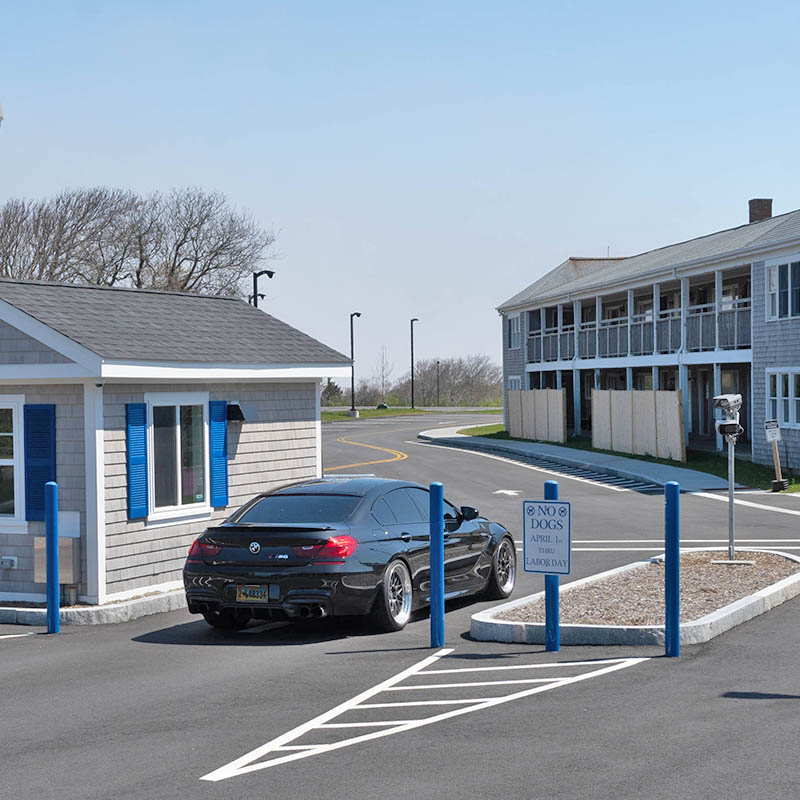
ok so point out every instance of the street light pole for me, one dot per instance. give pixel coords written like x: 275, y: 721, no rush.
x: 256, y: 275
x: 352, y: 367
x: 437, y: 384
x: 412, y: 360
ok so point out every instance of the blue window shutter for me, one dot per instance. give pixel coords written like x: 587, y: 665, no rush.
x: 39, y: 427
x: 136, y: 438
x: 218, y: 451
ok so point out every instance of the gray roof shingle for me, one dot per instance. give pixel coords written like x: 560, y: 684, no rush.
x: 560, y: 280
x: 147, y: 325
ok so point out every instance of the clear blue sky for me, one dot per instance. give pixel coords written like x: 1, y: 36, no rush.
x: 417, y: 159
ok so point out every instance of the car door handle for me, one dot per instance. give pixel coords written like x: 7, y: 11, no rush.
x: 406, y: 537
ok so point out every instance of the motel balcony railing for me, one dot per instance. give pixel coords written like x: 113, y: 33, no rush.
x: 668, y: 330
x: 587, y: 340
x: 734, y: 326
x: 706, y: 329
x: 641, y: 335
x: 612, y: 338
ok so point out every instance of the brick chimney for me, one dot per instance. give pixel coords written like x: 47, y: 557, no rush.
x: 760, y: 208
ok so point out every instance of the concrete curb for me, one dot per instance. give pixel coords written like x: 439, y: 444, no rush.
x: 99, y: 615
x: 460, y: 440
x: 485, y: 628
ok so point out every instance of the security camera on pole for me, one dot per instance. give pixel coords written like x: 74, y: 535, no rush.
x: 729, y: 427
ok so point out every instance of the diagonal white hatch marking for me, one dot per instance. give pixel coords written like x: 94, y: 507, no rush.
x: 283, y: 750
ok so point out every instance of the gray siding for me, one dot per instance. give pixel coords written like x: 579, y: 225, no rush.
x: 513, y: 360
x: 70, y: 475
x: 276, y: 444
x: 775, y: 345
x: 17, y: 347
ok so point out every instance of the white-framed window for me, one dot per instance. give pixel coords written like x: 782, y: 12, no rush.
x: 177, y: 454
x: 514, y: 332
x: 783, y: 289
x: 12, y: 465
x: 783, y: 396
x: 514, y: 382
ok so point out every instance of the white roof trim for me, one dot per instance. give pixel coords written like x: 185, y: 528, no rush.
x: 166, y: 370
x: 50, y: 337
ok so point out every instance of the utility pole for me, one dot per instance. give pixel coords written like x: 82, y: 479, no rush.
x: 437, y: 384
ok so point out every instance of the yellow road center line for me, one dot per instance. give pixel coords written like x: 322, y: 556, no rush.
x: 397, y: 455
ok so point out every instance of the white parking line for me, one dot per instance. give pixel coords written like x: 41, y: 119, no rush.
x: 17, y: 635
x: 284, y: 752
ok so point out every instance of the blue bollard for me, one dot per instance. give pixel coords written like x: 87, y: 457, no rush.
x: 51, y: 531
x: 672, y: 570
x: 552, y: 634
x: 437, y: 564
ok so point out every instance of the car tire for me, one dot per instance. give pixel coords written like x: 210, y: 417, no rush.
x: 392, y: 609
x: 504, y: 570
x: 227, y: 620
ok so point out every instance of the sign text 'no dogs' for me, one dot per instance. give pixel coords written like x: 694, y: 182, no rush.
x: 547, y: 535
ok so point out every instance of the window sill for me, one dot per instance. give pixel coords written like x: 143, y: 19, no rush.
x: 160, y: 519
x: 13, y: 527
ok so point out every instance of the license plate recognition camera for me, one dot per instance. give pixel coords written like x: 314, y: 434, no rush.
x: 729, y: 405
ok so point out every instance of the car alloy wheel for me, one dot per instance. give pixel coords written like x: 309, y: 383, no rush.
x: 393, y: 604
x: 504, y: 570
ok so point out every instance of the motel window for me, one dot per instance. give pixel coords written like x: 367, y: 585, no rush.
x: 783, y: 290
x: 514, y: 339
x: 515, y: 382
x: 783, y: 397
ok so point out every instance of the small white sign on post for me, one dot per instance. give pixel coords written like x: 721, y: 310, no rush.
x: 772, y: 429
x: 546, y: 536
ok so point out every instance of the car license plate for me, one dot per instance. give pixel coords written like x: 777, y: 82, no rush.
x: 252, y: 594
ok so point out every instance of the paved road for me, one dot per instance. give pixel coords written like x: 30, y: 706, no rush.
x: 148, y: 708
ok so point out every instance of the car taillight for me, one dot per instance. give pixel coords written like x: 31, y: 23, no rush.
x: 334, y: 551
x: 199, y: 551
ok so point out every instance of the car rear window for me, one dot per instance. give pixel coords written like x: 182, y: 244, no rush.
x: 299, y: 508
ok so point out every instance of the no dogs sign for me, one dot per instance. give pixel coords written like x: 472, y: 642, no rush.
x: 546, y: 536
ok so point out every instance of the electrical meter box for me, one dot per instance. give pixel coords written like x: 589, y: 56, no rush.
x: 69, y: 560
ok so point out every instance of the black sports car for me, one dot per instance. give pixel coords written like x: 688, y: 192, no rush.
x: 338, y: 547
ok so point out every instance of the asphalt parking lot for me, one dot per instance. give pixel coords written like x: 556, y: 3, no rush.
x: 165, y: 707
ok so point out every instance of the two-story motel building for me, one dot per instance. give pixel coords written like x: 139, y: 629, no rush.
x: 716, y: 314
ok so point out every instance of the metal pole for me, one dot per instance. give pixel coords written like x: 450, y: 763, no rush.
x: 51, y: 532
x: 672, y: 570
x: 552, y: 637
x: 730, y: 498
x: 437, y: 384
x: 255, y: 290
x: 352, y: 367
x: 412, y: 360
x: 437, y: 564
x: 352, y: 370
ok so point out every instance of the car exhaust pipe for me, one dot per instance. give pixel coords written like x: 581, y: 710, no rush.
x: 318, y: 612
x: 304, y: 612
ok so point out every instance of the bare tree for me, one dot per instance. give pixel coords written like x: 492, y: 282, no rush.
x: 383, y: 372
x: 188, y: 240
x: 473, y: 380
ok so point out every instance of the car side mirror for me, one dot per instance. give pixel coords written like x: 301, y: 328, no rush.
x: 468, y: 513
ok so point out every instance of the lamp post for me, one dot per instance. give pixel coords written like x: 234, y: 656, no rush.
x: 412, y: 360
x: 352, y: 368
x: 437, y: 384
x: 256, y: 275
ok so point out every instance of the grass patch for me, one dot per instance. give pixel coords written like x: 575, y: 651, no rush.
x: 369, y: 413
x: 747, y: 473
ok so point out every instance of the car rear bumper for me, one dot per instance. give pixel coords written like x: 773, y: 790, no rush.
x: 326, y: 593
